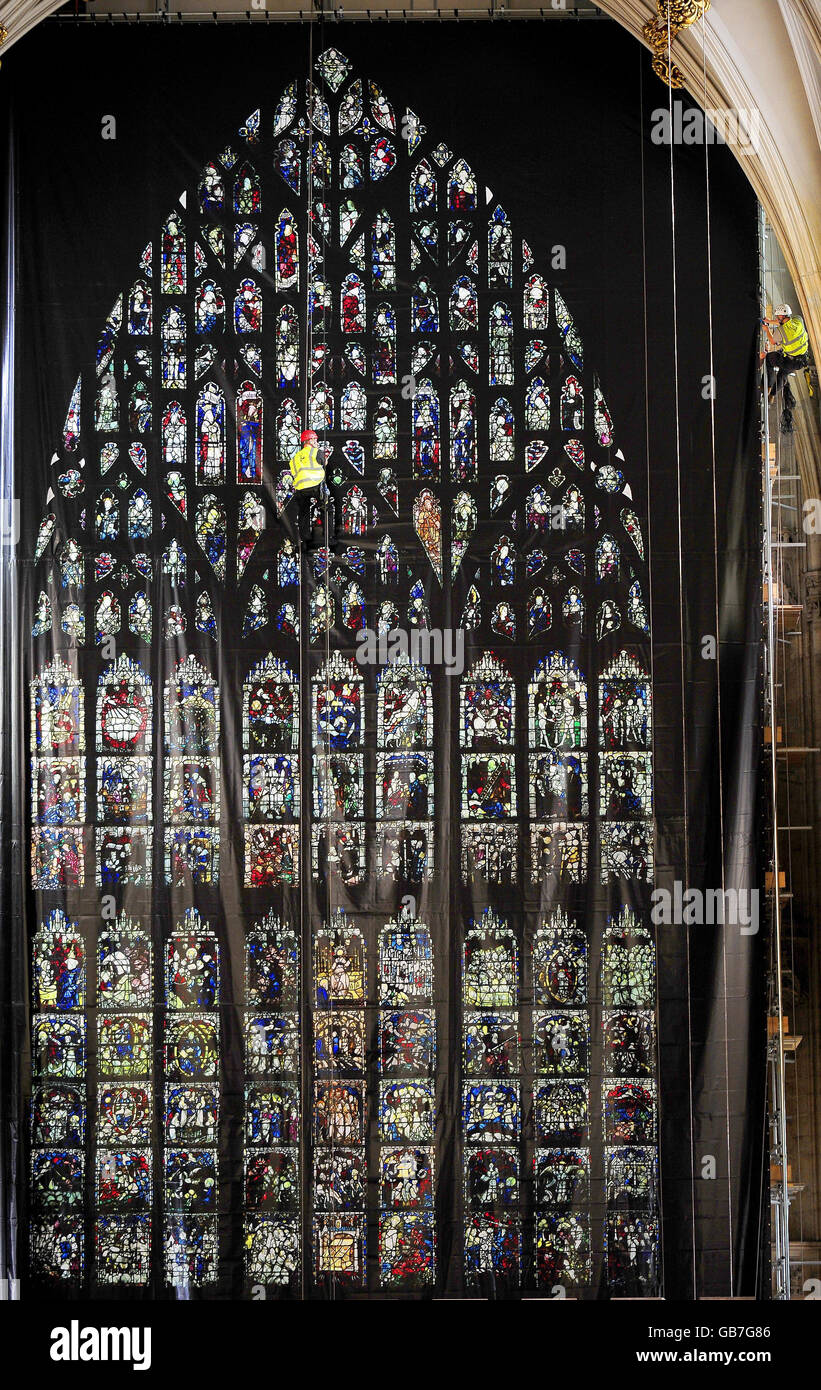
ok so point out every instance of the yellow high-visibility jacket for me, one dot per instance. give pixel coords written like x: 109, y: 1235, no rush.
x: 306, y: 468
x: 794, y: 340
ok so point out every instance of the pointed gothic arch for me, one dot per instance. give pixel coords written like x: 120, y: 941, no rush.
x: 495, y: 465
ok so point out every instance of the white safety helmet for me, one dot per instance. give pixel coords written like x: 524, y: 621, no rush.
x: 783, y: 311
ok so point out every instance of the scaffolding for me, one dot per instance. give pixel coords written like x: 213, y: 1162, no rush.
x: 786, y: 751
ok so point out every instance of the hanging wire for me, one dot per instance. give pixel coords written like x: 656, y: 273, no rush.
x: 330, y: 800
x: 305, y: 737
x: 719, y: 738
x: 683, y: 670
x: 653, y: 721
x: 780, y: 595
x: 794, y: 472
x: 780, y: 524
x: 328, y: 808
x: 778, y: 1075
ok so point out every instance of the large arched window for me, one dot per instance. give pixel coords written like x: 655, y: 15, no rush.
x: 478, y: 480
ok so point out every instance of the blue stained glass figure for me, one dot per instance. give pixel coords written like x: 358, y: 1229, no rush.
x: 248, y: 308
x: 105, y: 346
x: 462, y: 433
x: 139, y: 515
x: 139, y: 310
x: 139, y: 408
x: 288, y: 161
x: 351, y: 167
x: 211, y: 189
x: 425, y: 431
x: 249, y: 434
x: 210, y: 434
x: 209, y: 308
x: 424, y: 311
x: 423, y: 188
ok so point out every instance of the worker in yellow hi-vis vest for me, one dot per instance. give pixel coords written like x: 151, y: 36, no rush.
x: 788, y: 355
x: 308, y: 473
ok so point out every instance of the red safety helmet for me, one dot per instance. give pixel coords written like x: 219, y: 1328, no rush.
x: 308, y: 437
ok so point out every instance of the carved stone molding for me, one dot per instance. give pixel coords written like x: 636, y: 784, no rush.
x: 812, y: 595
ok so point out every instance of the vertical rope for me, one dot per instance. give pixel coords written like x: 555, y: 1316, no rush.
x: 731, y: 1252
x: 306, y: 1083
x: 649, y: 573
x: 683, y: 667
x: 778, y: 1076
x: 331, y: 815
x: 788, y: 741
x: 779, y: 590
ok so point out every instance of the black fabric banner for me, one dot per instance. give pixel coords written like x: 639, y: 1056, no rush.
x: 391, y: 921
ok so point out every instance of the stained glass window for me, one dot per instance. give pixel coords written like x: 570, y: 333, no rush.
x: 470, y: 481
x: 192, y: 993
x: 249, y: 434
x: 338, y: 773
x: 173, y: 349
x: 425, y: 409
x: 125, y: 1103
x: 626, y: 773
x: 272, y: 1067
x: 270, y: 775
x: 173, y: 258
x: 124, y: 775
x: 561, y: 1049
x: 210, y: 435
x: 58, y: 1105
x: 491, y: 1101
x: 192, y: 775
x: 404, y: 772
x: 407, y: 1105
x: 58, y: 802
x: 557, y: 730
x: 487, y: 720
x: 340, y: 1168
